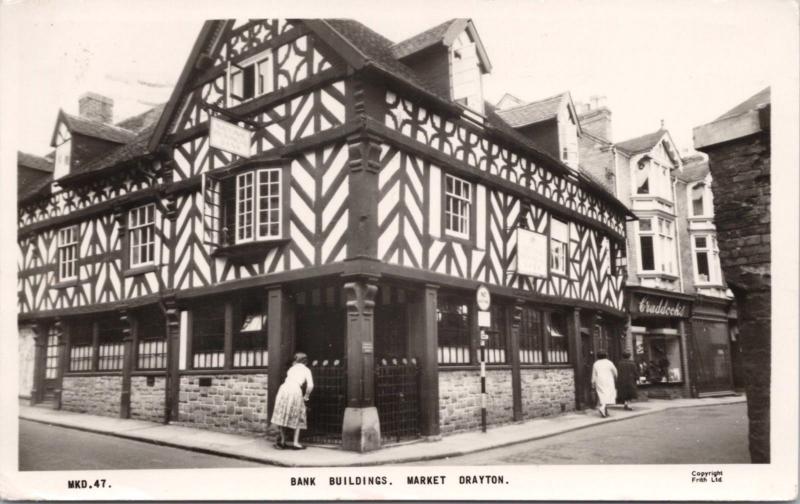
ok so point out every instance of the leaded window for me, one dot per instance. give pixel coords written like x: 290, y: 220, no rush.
x: 458, y: 205
x: 67, y: 253
x: 142, y: 233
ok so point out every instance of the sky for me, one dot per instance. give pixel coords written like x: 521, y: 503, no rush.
x: 678, y: 61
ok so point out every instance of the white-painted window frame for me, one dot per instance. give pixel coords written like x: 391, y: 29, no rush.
x: 254, y: 196
x: 559, y: 246
x: 711, y: 250
x: 457, y: 206
x: 68, y: 253
x: 142, y: 235
x: 260, y: 86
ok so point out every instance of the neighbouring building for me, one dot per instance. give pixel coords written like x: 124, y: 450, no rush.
x: 679, y: 330
x: 312, y: 186
x: 738, y: 147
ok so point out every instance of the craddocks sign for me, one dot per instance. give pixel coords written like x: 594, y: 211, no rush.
x: 657, y: 306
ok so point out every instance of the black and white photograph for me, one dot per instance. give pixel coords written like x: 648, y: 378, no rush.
x: 477, y: 251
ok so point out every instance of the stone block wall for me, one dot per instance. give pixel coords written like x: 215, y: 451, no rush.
x: 235, y: 403
x: 96, y: 395
x: 740, y: 169
x: 460, y: 399
x: 147, y: 402
x: 547, y: 392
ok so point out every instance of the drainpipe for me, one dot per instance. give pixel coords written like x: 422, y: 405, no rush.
x: 678, y: 263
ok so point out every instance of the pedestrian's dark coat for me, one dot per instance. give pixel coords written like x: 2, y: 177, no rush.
x: 627, y: 375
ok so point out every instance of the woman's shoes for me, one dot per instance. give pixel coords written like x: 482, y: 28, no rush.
x: 297, y: 447
x: 628, y: 408
x: 279, y: 446
x: 602, y: 412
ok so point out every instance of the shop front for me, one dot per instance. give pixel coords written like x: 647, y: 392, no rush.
x: 659, y: 331
x: 711, y: 347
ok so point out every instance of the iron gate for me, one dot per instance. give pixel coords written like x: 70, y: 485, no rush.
x: 397, y: 398
x: 327, y: 402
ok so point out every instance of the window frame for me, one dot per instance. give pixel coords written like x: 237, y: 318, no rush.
x: 711, y: 250
x: 139, y: 228
x: 707, y: 199
x: 468, y: 201
x: 564, y: 247
x: 64, y: 248
x: 464, y: 348
x: 652, y: 235
x: 254, y: 62
x: 255, y: 208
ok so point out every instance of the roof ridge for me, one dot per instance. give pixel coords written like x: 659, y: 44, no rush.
x: 535, y: 102
x: 101, y: 123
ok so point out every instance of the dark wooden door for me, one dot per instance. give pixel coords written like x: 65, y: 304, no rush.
x: 587, y: 361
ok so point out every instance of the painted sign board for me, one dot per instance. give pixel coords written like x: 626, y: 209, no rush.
x: 229, y: 137
x: 484, y: 318
x: 531, y: 253
x: 646, y: 305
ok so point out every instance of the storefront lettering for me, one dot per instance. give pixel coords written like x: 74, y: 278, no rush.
x: 663, y: 308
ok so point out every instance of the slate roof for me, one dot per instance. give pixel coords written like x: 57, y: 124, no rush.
x: 533, y: 112
x: 97, y: 129
x: 757, y: 100
x: 139, y: 122
x: 36, y: 162
x: 420, y: 41
x: 127, y: 152
x: 378, y: 49
x: 694, y: 168
x: 641, y: 143
x: 33, y: 172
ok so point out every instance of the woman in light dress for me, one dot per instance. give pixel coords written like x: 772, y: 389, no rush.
x: 290, y: 407
x: 604, y: 375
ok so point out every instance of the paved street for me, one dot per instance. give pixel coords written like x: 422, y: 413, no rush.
x: 51, y: 448
x: 712, y: 434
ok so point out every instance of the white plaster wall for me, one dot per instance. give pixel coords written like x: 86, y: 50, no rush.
x: 27, y: 350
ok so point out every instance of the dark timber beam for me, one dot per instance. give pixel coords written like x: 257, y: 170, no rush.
x: 576, y: 355
x: 361, y: 429
x: 128, y: 338
x: 425, y: 341
x: 280, y: 341
x: 515, y: 316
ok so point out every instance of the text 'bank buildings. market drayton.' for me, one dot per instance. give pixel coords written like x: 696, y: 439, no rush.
x: 312, y: 186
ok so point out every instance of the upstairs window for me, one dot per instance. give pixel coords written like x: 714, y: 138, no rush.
x: 706, y: 260
x: 559, y: 239
x: 657, y: 245
x: 250, y: 78
x: 642, y: 177
x: 700, y: 200
x: 646, y: 250
x: 667, y: 246
x: 67, y: 253
x: 142, y: 233
x: 258, y: 205
x: 458, y: 205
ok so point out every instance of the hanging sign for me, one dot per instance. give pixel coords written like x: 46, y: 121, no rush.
x: 483, y: 298
x: 531, y: 254
x: 229, y: 137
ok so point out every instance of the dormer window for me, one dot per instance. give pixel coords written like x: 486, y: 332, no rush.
x: 700, y: 200
x: 250, y: 78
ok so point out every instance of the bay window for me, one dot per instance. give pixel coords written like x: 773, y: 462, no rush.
x: 667, y: 246
x: 258, y: 205
x: 652, y: 178
x: 559, y: 238
x: 656, y: 241
x: 458, y: 205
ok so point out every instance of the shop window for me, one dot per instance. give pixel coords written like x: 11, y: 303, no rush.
x: 458, y: 205
x: 497, y: 343
x: 453, y: 316
x: 81, y: 347
x: 251, y: 78
x: 559, y: 239
x: 52, y: 354
x: 110, y: 348
x: 530, y: 336
x: 67, y: 253
x: 658, y: 358
x: 151, y: 352
x: 557, y: 344
x: 142, y: 235
x: 391, y: 328
x: 250, y: 339
x: 208, y: 336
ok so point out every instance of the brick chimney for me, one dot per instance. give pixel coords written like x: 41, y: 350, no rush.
x: 595, y: 117
x: 96, y: 107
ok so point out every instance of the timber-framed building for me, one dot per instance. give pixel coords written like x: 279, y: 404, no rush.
x: 168, y: 269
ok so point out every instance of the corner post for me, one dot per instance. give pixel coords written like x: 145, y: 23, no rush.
x: 173, y: 321
x: 361, y: 428
x: 62, y: 360
x: 40, y: 349
x: 515, y: 316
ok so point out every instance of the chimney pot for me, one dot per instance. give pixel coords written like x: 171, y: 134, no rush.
x: 96, y: 107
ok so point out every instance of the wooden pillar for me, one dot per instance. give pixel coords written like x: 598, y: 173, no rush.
x: 425, y: 343
x: 172, y: 317
x: 687, y: 378
x: 576, y: 355
x: 361, y: 428
x: 229, y: 329
x: 515, y: 318
x: 62, y: 360
x: 128, y: 349
x: 95, y: 345
x: 39, y: 362
x: 280, y: 341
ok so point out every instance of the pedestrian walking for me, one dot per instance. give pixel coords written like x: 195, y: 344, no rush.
x: 290, y: 407
x: 627, y: 376
x: 604, y: 375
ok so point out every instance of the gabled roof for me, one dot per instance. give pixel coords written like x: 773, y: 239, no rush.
x: 754, y: 102
x: 33, y: 172
x: 139, y: 122
x: 508, y: 101
x: 533, y: 112
x: 94, y: 129
x: 642, y: 143
x: 443, y: 34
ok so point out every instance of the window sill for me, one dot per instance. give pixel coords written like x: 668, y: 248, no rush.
x: 666, y: 276
x: 76, y: 374
x: 701, y: 285
x: 140, y: 270
x: 251, y: 250
x: 659, y: 384
x: 66, y: 283
x: 464, y: 240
